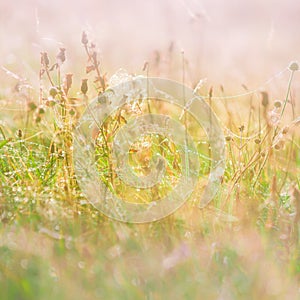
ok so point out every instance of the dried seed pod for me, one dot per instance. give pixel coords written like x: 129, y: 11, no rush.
x: 68, y: 82
x: 257, y: 141
x: 294, y: 66
x: 279, y: 145
x: 84, y: 86
x: 265, y: 99
x: 61, y: 56
x: 45, y: 59
x: 285, y: 130
x: 277, y: 104
x: 84, y: 38
x: 241, y: 128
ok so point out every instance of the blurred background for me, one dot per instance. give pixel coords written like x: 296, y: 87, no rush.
x: 228, y: 42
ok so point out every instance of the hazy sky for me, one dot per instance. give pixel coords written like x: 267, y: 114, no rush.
x: 222, y: 40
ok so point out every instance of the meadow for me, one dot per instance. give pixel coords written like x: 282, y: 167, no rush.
x: 54, y: 244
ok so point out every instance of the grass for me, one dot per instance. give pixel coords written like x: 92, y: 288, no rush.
x: 55, y: 244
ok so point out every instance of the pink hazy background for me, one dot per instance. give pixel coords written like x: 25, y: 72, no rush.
x: 229, y: 42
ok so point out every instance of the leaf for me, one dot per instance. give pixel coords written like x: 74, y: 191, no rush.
x: 3, y: 143
x: 89, y: 69
x: 54, y: 66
